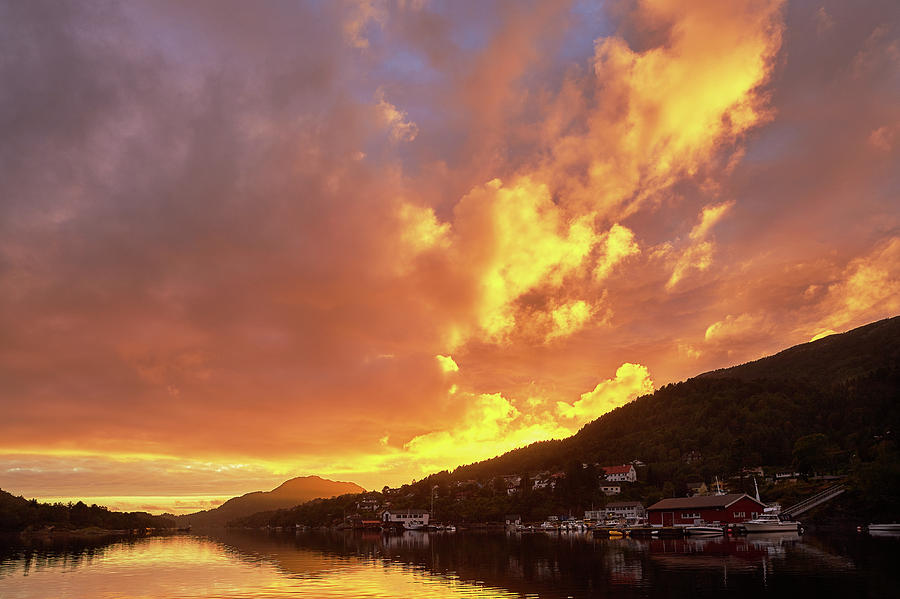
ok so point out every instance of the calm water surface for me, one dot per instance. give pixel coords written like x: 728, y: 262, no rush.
x: 423, y: 565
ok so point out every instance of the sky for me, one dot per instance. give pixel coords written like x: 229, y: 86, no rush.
x: 241, y: 242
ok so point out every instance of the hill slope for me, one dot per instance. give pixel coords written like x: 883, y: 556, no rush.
x: 290, y: 493
x: 845, y: 386
x: 831, y: 359
x: 18, y: 514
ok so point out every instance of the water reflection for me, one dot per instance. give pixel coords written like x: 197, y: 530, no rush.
x: 415, y: 564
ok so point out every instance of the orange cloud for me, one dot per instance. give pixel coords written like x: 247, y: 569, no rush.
x: 736, y: 330
x: 664, y: 112
x: 516, y: 240
x: 616, y: 245
x: 447, y: 363
x: 631, y: 381
x: 868, y: 286
x: 396, y: 120
x: 697, y: 255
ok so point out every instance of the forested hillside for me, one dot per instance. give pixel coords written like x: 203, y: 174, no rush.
x: 18, y: 514
x: 845, y: 387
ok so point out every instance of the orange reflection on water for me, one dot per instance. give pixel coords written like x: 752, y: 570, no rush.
x: 195, y: 567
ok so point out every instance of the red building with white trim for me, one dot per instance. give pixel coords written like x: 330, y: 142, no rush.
x: 735, y: 507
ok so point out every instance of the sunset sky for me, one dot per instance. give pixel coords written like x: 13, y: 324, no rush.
x: 369, y: 240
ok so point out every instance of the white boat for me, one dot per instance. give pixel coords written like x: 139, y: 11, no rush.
x: 885, y: 528
x: 770, y: 521
x: 706, y: 530
x: 414, y: 525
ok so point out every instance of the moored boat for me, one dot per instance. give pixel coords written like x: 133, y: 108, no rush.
x: 770, y: 521
x: 886, y: 530
x: 704, y: 530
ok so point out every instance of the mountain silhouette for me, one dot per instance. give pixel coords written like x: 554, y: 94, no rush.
x: 290, y: 493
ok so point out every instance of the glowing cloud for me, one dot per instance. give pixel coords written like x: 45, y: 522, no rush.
x: 697, y: 256
x: 569, y: 318
x: 421, y: 229
x: 737, y: 329
x: 491, y: 425
x: 663, y: 113
x: 616, y: 245
x: 401, y: 129
x: 822, y: 335
x: 447, y: 363
x: 518, y: 241
x: 869, y: 285
x: 631, y: 381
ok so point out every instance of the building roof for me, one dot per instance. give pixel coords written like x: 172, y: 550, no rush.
x: 624, y: 504
x: 618, y: 469
x: 700, y: 502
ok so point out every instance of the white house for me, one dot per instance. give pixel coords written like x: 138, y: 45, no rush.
x: 611, y: 489
x: 407, y: 518
x: 620, y: 474
x: 630, y: 511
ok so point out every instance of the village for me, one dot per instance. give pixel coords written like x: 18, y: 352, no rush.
x: 621, y: 504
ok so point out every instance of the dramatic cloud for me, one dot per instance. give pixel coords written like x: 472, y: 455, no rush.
x: 632, y: 380
x: 371, y: 239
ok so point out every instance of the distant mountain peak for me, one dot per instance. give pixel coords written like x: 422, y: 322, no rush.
x: 288, y: 494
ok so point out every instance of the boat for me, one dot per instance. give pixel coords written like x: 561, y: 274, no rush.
x: 704, y: 530
x: 884, y: 528
x: 414, y: 525
x: 770, y: 521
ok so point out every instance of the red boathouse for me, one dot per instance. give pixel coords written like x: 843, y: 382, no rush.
x: 735, y: 507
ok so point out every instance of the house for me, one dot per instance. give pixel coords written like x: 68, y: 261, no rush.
x: 542, y: 480
x: 629, y: 512
x: 620, y: 474
x: 595, y: 515
x: 368, y: 505
x: 407, y: 518
x: 680, y: 511
x: 697, y: 488
x: 611, y: 489
x: 542, y: 483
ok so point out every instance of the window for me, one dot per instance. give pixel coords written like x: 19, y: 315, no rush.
x: 689, y: 515
x: 740, y: 514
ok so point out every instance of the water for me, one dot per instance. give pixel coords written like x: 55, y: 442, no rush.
x: 448, y: 565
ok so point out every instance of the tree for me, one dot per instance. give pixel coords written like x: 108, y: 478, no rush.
x: 810, y: 453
